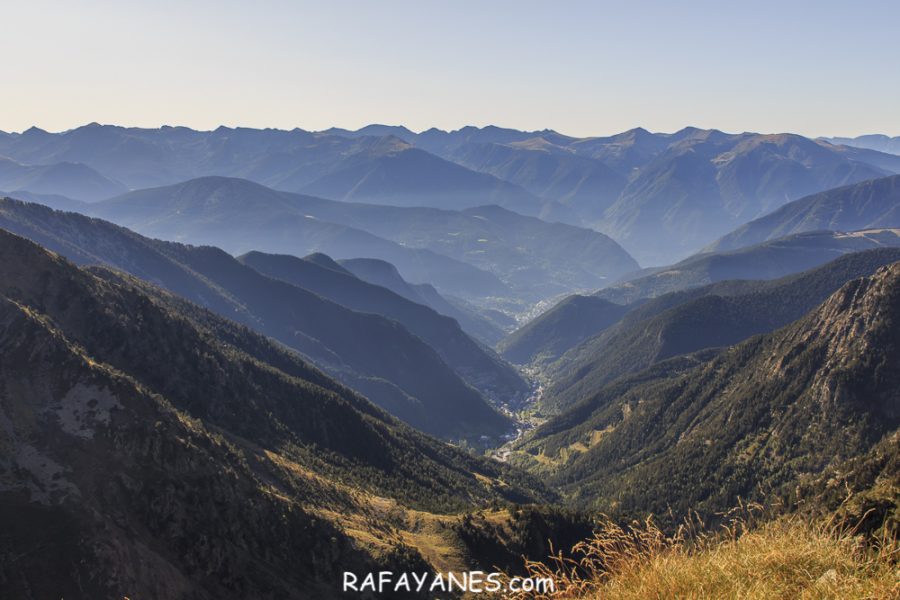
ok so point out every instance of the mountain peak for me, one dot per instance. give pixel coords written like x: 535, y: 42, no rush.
x: 323, y: 260
x: 378, y: 128
x: 34, y: 130
x: 373, y: 263
x: 636, y: 131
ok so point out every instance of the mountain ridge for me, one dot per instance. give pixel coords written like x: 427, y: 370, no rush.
x: 661, y: 195
x: 478, y: 366
x: 476, y: 253
x: 145, y: 436
x: 717, y: 315
x: 868, y: 205
x: 320, y: 329
x: 751, y: 422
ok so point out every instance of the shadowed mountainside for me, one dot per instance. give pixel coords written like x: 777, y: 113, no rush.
x: 479, y: 366
x: 487, y: 326
x: 372, y: 354
x: 548, y: 336
x: 153, y: 448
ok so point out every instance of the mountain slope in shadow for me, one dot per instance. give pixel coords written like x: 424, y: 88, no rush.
x: 374, y: 355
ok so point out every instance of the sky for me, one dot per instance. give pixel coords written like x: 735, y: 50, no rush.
x: 580, y: 67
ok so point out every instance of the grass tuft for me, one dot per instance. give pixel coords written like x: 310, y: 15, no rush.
x: 790, y: 557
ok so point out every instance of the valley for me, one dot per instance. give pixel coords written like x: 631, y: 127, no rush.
x: 439, y: 351
x: 449, y: 300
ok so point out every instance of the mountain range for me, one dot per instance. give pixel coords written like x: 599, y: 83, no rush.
x: 381, y: 169
x: 707, y: 182
x: 766, y: 260
x: 485, y: 325
x: 661, y: 196
x: 547, y: 337
x: 72, y: 180
x: 371, y: 352
x: 879, y: 142
x: 401, y: 175
x: 322, y: 276
x: 240, y: 216
x: 476, y: 254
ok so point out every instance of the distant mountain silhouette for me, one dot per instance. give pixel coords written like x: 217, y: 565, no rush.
x: 444, y: 143
x: 878, y: 142
x: 72, y: 180
x: 534, y: 258
x: 767, y: 260
x: 241, y: 216
x: 142, y: 158
x: 404, y: 176
x: 479, y: 252
x: 585, y: 186
x: 369, y: 166
x: 709, y: 182
x: 384, y: 274
x: 397, y: 131
x: 662, y: 195
x: 868, y: 205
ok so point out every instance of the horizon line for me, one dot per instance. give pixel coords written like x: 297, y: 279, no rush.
x: 421, y: 131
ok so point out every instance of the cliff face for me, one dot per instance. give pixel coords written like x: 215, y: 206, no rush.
x: 858, y: 333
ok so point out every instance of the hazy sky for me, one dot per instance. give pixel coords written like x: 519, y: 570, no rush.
x: 583, y: 68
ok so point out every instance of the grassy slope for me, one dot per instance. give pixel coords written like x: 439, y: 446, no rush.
x: 786, y: 558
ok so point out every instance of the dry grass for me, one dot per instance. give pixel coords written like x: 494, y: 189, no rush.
x: 783, y: 558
